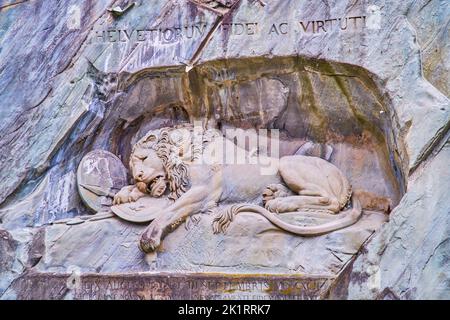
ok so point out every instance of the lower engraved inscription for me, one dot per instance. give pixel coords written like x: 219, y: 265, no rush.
x: 171, y: 286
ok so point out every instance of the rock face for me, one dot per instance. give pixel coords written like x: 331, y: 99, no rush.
x: 17, y: 252
x: 418, y: 231
x: 367, y: 80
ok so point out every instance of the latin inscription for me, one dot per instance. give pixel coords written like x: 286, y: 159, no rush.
x: 164, y: 287
x: 172, y: 34
x: 154, y: 35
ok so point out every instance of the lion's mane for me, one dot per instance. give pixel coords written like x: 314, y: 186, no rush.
x: 168, y: 150
x: 176, y: 169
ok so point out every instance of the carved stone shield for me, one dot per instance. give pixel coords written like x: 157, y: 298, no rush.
x: 100, y: 176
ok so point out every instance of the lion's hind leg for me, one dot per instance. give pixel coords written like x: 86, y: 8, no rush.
x: 278, y: 198
x: 319, y: 200
x: 302, y: 203
x: 306, y: 179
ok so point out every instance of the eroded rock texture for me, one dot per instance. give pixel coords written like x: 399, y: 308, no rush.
x: 370, y: 81
x: 418, y: 231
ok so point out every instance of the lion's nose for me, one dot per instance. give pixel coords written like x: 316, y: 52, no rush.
x: 140, y: 175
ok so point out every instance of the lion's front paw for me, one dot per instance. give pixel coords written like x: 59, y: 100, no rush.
x: 123, y: 196
x: 127, y: 194
x: 273, y: 191
x: 279, y: 205
x: 151, y: 238
x: 149, y: 245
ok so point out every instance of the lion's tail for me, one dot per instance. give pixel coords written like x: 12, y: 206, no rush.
x: 347, y: 218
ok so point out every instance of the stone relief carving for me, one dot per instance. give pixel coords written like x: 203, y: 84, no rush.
x: 172, y: 162
x: 368, y: 79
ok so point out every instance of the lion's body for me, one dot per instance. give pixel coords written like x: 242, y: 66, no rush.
x: 295, y: 183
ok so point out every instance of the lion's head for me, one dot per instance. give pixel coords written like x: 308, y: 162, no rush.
x: 155, y: 162
x: 158, y: 158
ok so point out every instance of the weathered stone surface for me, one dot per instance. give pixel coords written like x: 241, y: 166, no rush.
x: 409, y: 256
x: 387, y: 47
x: 375, y: 92
x: 41, y: 46
x: 433, y: 35
x: 16, y: 254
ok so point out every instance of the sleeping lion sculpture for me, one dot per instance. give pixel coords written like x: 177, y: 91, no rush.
x: 167, y: 162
